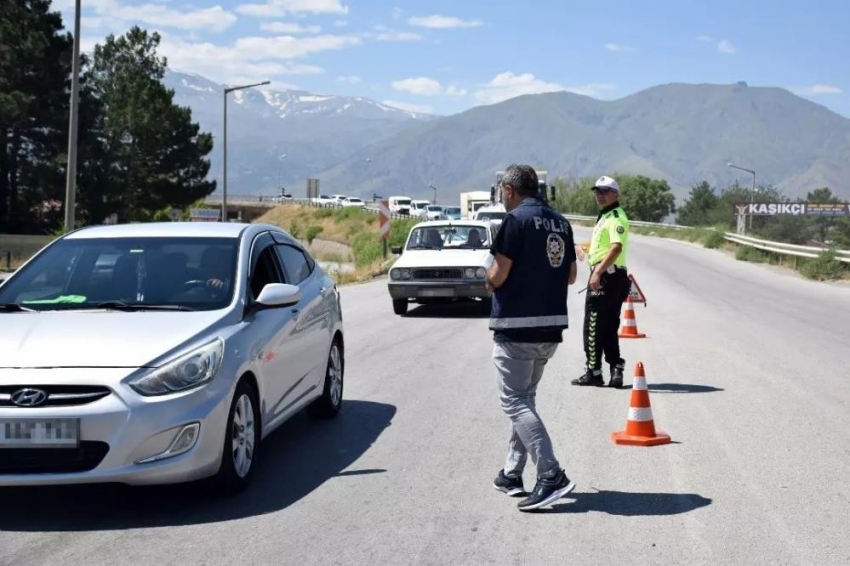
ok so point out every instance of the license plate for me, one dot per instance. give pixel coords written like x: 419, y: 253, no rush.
x: 40, y: 433
x: 437, y: 293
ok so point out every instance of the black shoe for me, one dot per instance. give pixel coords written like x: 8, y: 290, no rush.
x: 511, y: 486
x: 591, y: 377
x: 546, y: 491
x: 616, y: 377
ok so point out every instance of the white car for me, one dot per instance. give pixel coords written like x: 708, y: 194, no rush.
x: 162, y: 353
x: 353, y: 201
x: 324, y: 200
x: 435, y: 212
x: 417, y: 208
x: 442, y: 260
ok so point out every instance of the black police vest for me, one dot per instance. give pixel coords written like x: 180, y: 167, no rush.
x: 534, y: 296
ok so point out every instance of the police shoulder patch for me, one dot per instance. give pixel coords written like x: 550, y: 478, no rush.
x: 620, y: 229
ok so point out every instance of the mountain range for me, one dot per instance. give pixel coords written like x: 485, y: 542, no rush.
x: 684, y: 133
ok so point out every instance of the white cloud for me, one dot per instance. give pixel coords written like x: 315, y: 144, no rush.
x: 618, y: 47
x: 705, y: 38
x: 278, y: 8
x: 289, y: 27
x: 409, y: 107
x: 726, y: 46
x: 111, y: 14
x: 442, y: 22
x: 383, y: 34
x: 288, y: 47
x: 349, y: 79
x: 340, y: 24
x: 819, y: 89
x: 508, y: 85
x: 424, y: 86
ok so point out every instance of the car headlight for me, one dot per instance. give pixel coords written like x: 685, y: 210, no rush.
x: 405, y: 274
x: 395, y: 274
x: 481, y: 273
x: 186, y: 372
x: 469, y: 272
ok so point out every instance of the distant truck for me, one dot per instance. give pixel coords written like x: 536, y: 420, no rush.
x: 471, y: 201
x: 542, y: 192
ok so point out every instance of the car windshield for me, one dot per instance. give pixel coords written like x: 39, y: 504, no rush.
x: 354, y: 200
x: 434, y: 208
x: 452, y: 210
x: 180, y: 273
x: 456, y: 236
x: 496, y: 215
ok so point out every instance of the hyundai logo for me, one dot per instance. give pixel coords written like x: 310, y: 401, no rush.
x: 29, y: 397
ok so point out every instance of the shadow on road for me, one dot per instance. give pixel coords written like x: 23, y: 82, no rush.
x: 297, y: 459
x: 450, y: 310
x: 631, y: 504
x: 679, y: 388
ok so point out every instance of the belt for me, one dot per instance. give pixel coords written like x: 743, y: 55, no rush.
x: 611, y: 269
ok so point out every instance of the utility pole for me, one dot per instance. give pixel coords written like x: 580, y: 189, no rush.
x: 71, y: 168
x: 227, y: 91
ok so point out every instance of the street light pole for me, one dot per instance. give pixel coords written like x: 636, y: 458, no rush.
x: 71, y: 168
x: 227, y: 91
x: 752, y: 193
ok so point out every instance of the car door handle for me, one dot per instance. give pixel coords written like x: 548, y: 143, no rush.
x: 295, y: 311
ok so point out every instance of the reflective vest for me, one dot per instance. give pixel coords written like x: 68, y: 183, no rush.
x: 534, y: 295
x: 612, y: 227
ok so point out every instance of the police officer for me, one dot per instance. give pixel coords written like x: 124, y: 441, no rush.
x: 608, y: 287
x: 533, y: 264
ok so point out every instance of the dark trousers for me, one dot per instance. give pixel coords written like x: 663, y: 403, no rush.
x: 602, y: 320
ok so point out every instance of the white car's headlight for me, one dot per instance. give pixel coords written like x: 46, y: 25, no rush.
x: 481, y: 273
x: 405, y: 274
x: 470, y: 272
x: 189, y: 370
x: 395, y: 273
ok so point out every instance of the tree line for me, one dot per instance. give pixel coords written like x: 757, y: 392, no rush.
x: 652, y: 200
x: 138, y: 152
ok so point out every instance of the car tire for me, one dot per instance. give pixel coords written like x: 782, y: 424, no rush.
x: 400, y: 306
x: 242, y: 434
x: 330, y: 403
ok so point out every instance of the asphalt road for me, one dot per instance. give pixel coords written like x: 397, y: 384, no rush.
x: 748, y: 373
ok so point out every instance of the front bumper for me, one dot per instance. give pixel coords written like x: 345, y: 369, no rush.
x: 117, y: 431
x: 448, y: 289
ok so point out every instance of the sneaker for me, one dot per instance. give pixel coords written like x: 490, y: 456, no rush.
x: 616, y: 377
x: 590, y: 377
x: 511, y: 486
x: 546, y: 491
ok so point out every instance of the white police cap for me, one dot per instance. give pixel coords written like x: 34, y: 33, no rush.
x: 605, y: 182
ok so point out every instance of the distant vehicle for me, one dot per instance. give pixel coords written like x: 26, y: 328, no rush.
x: 353, y: 201
x: 337, y: 199
x: 324, y: 200
x: 417, y: 207
x: 400, y: 204
x: 452, y: 212
x: 471, y: 201
x: 159, y: 353
x: 491, y: 213
x: 434, y: 212
x: 441, y: 261
x: 282, y: 197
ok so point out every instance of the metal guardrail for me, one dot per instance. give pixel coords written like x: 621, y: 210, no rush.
x: 785, y: 249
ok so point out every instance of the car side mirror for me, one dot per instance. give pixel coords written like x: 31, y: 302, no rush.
x: 396, y: 250
x: 278, y: 295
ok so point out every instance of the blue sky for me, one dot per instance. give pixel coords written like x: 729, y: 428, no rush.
x: 447, y: 56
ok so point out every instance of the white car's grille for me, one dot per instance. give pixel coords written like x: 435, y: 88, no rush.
x: 26, y: 396
x: 438, y: 273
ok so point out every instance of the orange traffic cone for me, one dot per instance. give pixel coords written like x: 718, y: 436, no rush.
x: 629, y: 328
x: 640, y: 428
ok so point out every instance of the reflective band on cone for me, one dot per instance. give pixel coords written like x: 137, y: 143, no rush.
x: 640, y: 426
x: 629, y: 328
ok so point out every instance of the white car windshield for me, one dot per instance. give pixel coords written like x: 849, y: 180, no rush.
x: 496, y: 215
x: 354, y: 200
x: 172, y: 273
x: 434, y: 208
x: 457, y: 236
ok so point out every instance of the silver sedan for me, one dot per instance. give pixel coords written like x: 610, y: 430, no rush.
x: 162, y: 353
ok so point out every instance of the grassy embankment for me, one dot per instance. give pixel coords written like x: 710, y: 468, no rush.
x: 823, y: 268
x: 347, y: 226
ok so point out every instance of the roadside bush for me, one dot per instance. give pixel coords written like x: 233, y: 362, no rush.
x: 746, y: 253
x: 323, y: 213
x: 824, y: 268
x: 367, y: 248
x: 713, y: 240
x: 312, y: 232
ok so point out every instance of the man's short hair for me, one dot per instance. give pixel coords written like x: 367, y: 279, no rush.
x: 523, y: 178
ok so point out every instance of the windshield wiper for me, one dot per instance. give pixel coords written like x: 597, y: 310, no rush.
x: 15, y: 307
x: 122, y: 306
